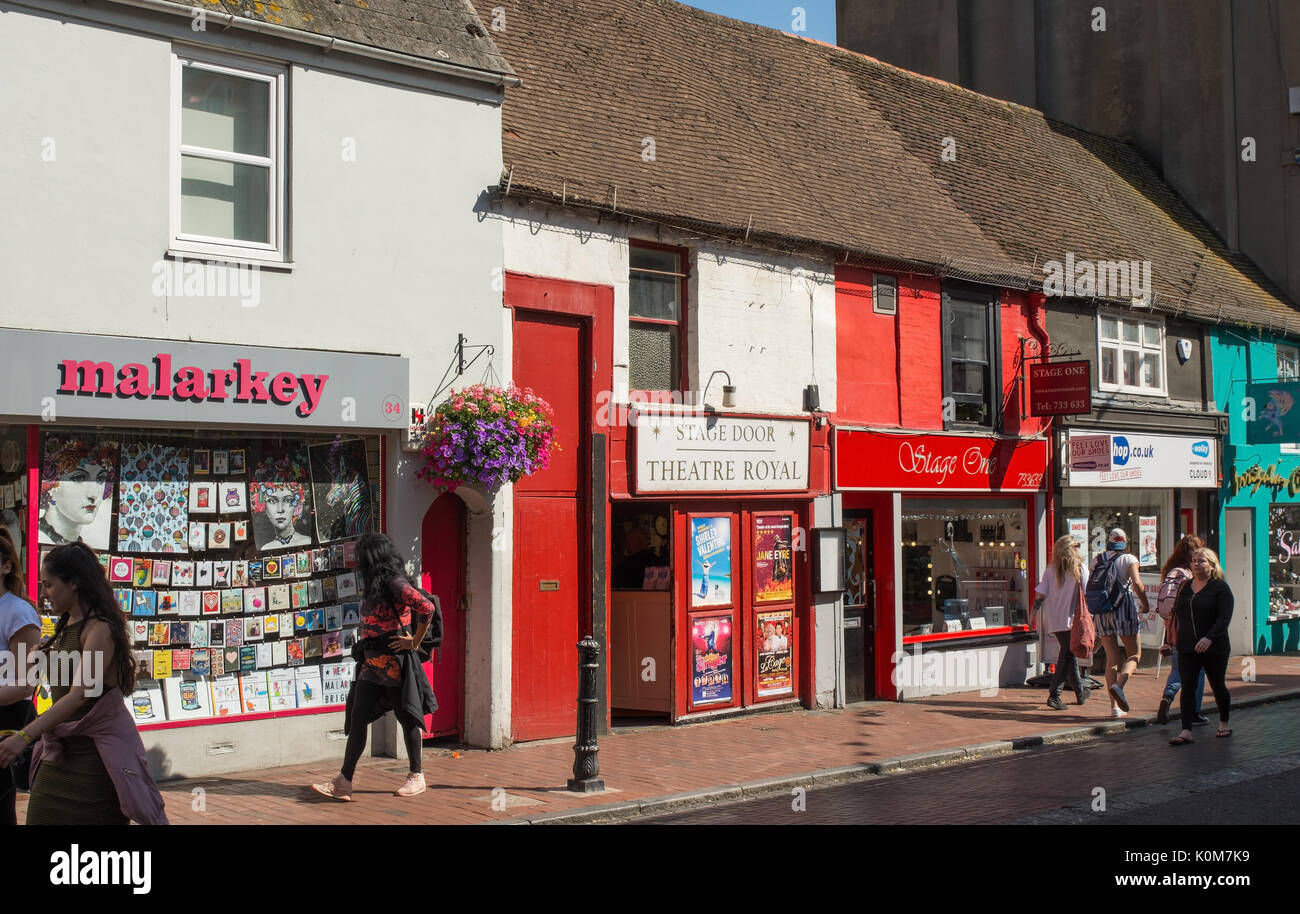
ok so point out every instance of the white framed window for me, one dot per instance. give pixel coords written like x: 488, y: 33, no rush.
x: 1131, y: 353
x: 227, y: 193
x: 884, y: 294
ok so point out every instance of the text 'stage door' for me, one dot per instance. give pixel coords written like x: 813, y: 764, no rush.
x: 551, y: 518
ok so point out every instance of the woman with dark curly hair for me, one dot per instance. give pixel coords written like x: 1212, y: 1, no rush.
x: 89, y: 766
x: 389, y: 676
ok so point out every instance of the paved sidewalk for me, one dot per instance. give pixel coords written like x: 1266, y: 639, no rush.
x: 663, y: 768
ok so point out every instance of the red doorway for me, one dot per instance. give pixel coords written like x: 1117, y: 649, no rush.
x: 551, y: 522
x: 442, y: 558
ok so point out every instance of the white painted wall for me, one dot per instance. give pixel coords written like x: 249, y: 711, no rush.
x: 388, y: 252
x: 767, y: 319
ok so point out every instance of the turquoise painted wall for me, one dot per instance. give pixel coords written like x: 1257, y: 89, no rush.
x: 1239, y: 357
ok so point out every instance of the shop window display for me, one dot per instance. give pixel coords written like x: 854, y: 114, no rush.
x: 13, y: 485
x: 641, y: 549
x: 1283, y: 568
x: 233, y: 558
x: 1091, y: 514
x: 965, y: 565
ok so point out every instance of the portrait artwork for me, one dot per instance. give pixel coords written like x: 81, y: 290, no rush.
x: 77, y: 481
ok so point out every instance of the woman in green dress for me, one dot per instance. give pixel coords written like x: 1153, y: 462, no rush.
x: 75, y: 788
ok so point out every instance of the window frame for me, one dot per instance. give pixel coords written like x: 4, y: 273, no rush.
x: 992, y: 329
x: 875, y: 293
x: 1140, y: 347
x: 684, y: 264
x: 276, y: 76
x: 1292, y: 375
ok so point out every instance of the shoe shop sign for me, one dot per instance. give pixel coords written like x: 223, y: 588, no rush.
x: 1138, y: 460
x: 73, y: 376
x: 711, y: 453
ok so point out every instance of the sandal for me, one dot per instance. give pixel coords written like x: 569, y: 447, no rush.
x: 1224, y: 733
x: 1180, y: 741
x: 331, y: 789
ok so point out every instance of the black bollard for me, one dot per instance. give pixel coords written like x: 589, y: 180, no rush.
x: 586, y: 766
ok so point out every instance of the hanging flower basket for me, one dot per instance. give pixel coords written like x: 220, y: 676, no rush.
x: 487, y: 436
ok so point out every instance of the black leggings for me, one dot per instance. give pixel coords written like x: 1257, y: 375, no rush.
x: 8, y: 807
x: 363, y: 704
x: 1190, y: 665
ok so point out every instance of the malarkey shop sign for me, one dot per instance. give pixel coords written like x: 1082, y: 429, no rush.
x: 711, y: 453
x: 1257, y: 477
x: 74, y: 376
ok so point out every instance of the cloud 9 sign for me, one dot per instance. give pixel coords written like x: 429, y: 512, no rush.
x: 82, y: 377
x: 949, y: 463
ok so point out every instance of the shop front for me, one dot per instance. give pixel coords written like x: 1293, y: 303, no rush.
x: 1154, y: 487
x: 224, y: 489
x: 1265, y: 500
x: 944, y: 537
x: 709, y: 598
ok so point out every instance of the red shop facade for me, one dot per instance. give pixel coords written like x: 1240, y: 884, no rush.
x: 709, y: 586
x: 945, y: 536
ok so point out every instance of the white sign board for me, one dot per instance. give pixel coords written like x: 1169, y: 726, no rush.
x: 711, y: 453
x: 1142, y: 461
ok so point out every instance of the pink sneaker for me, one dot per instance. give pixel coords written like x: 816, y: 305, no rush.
x: 414, y: 786
x: 338, y: 789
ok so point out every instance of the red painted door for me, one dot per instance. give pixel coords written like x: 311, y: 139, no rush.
x: 551, y: 521
x: 442, y: 558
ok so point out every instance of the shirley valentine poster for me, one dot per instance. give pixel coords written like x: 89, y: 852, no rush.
x: 775, y: 636
x: 773, y: 569
x: 710, y: 561
x: 711, y: 660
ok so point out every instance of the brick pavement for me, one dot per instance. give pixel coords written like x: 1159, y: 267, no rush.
x: 655, y: 762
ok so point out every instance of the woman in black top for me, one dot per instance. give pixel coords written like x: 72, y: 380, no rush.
x: 1204, y: 609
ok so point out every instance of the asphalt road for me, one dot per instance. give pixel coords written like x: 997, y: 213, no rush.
x: 1134, y: 777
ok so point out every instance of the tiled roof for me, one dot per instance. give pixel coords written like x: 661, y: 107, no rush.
x: 443, y: 30
x: 801, y: 144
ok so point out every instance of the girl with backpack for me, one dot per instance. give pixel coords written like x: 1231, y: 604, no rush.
x: 1176, y: 573
x: 1058, y: 593
x: 390, y: 677
x: 1112, y: 584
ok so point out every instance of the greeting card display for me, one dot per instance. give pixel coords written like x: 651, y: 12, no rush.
x: 146, y: 703
x: 350, y: 554
x: 182, y: 574
x: 330, y: 586
x: 180, y: 633
x: 203, y: 498
x: 160, y: 633
x: 349, y: 639
x: 252, y: 629
x: 198, y: 634
x: 169, y: 602
x: 225, y: 695
x: 308, y: 687
x: 252, y: 686
x: 198, y: 536
x: 295, y: 651
x: 139, y: 632
x: 211, y: 602
x: 218, y: 536
x: 279, y: 653
x: 203, y: 574
x: 255, y: 571
x: 189, y: 697
x: 240, y: 531
x: 239, y: 574
x: 282, y: 687
x: 220, y: 574
x: 264, y: 655
x: 304, y: 564
x: 217, y: 634
x: 332, y: 644
x: 277, y: 596
x: 271, y: 625
x: 144, y: 603
x: 162, y: 573
x: 220, y: 463
x: 351, y: 614
x: 238, y: 463
x: 271, y: 568
x: 218, y: 662
x: 315, y: 648
x: 333, y: 618
x: 120, y: 570
x: 315, y: 592
x: 162, y: 664
x: 191, y: 601
x: 232, y: 602
x: 201, y: 462
x: 247, y: 658
x: 142, y: 572
x: 181, y: 659
x: 286, y: 623
x: 299, y: 596
x: 234, y: 498
x: 125, y: 600
x: 234, y: 633
x: 201, y: 663
x: 347, y: 585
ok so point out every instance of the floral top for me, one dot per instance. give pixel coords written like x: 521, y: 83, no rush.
x: 383, y: 621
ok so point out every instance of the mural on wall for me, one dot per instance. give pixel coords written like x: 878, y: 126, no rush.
x: 1274, y: 419
x: 341, y: 490
x: 77, y: 476
x: 280, y: 494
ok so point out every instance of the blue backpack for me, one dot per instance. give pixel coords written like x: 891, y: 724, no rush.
x: 1104, y: 591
